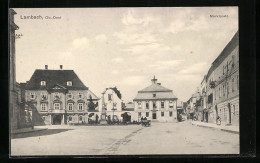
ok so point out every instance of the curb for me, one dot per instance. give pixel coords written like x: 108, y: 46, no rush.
x: 221, y: 129
x: 29, y: 131
x: 231, y: 131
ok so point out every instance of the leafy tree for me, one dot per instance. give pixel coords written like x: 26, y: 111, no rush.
x: 91, y: 105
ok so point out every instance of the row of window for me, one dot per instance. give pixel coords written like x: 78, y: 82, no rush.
x: 69, y: 118
x: 224, y: 89
x: 154, y: 104
x: 147, y: 114
x: 55, y: 95
x: 57, y: 106
x: 43, y: 83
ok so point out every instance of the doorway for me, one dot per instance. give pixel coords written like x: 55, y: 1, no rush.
x: 154, y: 115
x: 56, y: 120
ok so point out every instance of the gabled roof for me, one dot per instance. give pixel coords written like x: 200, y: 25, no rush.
x: 155, y: 88
x: 90, y: 93
x: 55, y: 77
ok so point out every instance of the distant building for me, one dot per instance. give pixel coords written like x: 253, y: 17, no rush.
x: 223, y: 85
x: 156, y: 103
x: 112, y: 103
x: 59, y: 97
x: 193, y: 104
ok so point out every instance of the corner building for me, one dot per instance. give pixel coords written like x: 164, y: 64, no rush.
x: 223, y: 85
x: 59, y: 97
x: 156, y: 102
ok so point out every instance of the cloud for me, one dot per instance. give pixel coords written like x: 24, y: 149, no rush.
x: 118, y: 60
x: 132, y: 37
x: 197, y: 68
x: 82, y: 42
x: 131, y: 18
x: 101, y: 37
x: 153, y: 48
x: 163, y: 65
x: 132, y: 80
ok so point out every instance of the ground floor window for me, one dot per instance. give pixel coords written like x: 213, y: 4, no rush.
x: 170, y: 113
x: 162, y: 114
x: 139, y: 114
x: 80, y: 118
x: 70, y: 118
x: 147, y: 114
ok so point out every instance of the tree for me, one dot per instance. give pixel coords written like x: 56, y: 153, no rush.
x: 91, y: 105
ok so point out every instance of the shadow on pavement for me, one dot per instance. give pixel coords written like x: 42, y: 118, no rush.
x: 38, y: 133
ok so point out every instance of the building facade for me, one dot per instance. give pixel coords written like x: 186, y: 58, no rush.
x: 156, y: 102
x: 112, y: 103
x: 59, y: 97
x: 223, y: 85
x: 13, y: 95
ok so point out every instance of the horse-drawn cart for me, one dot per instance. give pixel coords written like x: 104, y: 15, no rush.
x: 146, y: 123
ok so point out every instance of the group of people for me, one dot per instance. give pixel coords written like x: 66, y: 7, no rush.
x: 143, y: 118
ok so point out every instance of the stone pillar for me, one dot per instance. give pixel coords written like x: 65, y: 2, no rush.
x: 50, y: 120
x: 63, y: 120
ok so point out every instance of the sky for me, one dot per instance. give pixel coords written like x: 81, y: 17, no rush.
x: 125, y: 47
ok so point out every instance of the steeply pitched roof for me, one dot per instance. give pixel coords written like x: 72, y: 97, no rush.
x: 155, y: 88
x: 55, y: 77
x: 224, y: 54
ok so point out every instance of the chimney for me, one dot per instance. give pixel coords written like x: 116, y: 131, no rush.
x: 61, y: 66
x: 46, y: 67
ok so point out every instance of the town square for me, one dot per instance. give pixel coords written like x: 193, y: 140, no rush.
x: 135, y: 81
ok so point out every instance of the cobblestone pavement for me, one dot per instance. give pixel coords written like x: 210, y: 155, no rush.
x: 160, y: 138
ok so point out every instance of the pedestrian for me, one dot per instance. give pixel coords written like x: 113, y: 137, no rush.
x: 96, y: 119
x: 142, y: 121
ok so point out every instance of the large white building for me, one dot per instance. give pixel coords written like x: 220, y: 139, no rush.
x: 156, y: 103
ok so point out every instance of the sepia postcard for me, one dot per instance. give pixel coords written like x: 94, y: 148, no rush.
x: 124, y: 81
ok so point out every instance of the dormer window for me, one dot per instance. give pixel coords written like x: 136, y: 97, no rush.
x: 69, y: 83
x: 43, y: 83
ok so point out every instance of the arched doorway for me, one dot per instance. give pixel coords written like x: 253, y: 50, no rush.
x: 56, y: 120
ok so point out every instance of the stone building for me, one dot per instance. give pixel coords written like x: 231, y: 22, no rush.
x: 13, y: 95
x: 223, y: 85
x: 112, y: 103
x: 156, y: 103
x: 59, y: 96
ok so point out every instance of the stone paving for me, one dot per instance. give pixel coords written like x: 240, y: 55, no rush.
x: 160, y: 138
